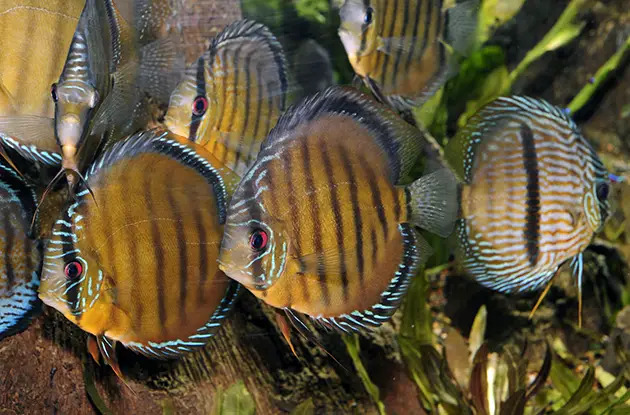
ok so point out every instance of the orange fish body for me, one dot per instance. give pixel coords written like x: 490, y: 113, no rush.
x: 323, y: 222
x: 140, y: 267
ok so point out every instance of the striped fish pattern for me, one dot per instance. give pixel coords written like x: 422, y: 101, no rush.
x: 142, y: 270
x: 319, y: 225
x: 21, y: 256
x: 34, y: 37
x: 535, y: 193
x: 99, y: 95
x: 397, y: 46
x: 233, y: 95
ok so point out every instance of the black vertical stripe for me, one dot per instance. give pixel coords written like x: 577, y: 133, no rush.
x: 377, y: 201
x: 416, y: 23
x: 222, y: 103
x: 248, y: 65
x: 373, y: 250
x: 195, y: 120
x: 334, y: 197
x: 402, y: 35
x: 392, y: 25
x: 259, y: 105
x: 235, y: 86
x: 72, y: 296
x: 356, y: 211
x: 253, y: 212
x: 317, y: 241
x: 530, y: 162
x: 295, y: 219
x: 9, y: 236
x: 131, y: 251
x: 181, y: 245
x: 158, y: 253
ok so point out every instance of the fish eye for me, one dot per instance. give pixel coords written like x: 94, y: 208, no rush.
x: 258, y: 240
x: 73, y: 270
x: 602, y: 191
x: 369, y: 14
x: 53, y: 92
x: 200, y: 105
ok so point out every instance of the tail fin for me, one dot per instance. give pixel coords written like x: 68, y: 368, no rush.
x: 434, y: 200
x: 462, y: 26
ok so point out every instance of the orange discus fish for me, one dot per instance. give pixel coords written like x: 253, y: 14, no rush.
x: 233, y: 95
x: 141, y: 268
x: 398, y: 47
x: 323, y: 224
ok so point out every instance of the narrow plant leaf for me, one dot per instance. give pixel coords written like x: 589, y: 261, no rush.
x: 541, y: 376
x: 352, y: 345
x: 577, y: 403
x: 90, y: 389
x: 601, y: 75
x: 479, y: 381
x: 478, y: 331
x: 565, y: 30
x: 515, y: 405
x: 493, y: 14
x: 416, y: 319
x: 305, y: 408
x: 457, y: 355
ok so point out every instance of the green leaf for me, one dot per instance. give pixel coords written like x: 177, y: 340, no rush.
x: 236, y: 400
x: 305, y: 408
x: 90, y: 389
x: 477, y: 331
x: 315, y: 10
x: 601, y: 75
x: 493, y: 14
x: 352, y: 345
x: 565, y: 30
x: 416, y: 319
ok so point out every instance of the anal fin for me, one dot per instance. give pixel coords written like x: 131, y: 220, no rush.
x: 107, y: 349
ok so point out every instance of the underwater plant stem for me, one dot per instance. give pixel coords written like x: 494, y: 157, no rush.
x: 601, y: 75
x: 560, y: 34
x: 352, y: 346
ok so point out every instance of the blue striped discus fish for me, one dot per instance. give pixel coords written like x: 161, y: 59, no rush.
x: 535, y: 193
x: 233, y: 95
x: 397, y: 47
x: 140, y: 267
x: 20, y: 256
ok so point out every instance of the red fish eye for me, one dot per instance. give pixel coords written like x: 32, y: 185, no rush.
x: 53, y: 92
x: 258, y: 240
x: 200, y: 105
x: 73, y: 270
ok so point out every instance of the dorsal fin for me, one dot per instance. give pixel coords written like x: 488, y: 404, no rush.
x: 401, y: 142
x: 259, y: 32
x: 162, y: 142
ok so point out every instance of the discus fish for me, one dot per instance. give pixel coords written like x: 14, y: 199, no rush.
x: 35, y: 37
x: 141, y: 269
x: 233, y: 95
x: 323, y: 222
x: 97, y: 96
x: 535, y: 193
x: 21, y: 261
x: 398, y: 47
